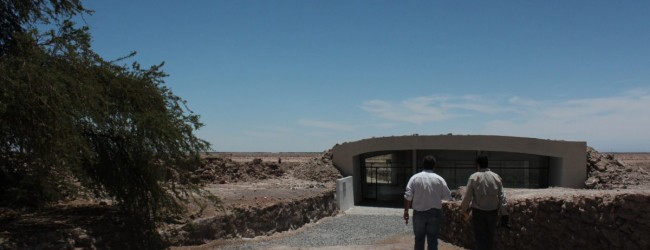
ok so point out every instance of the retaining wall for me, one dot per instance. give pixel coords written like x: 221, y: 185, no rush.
x: 580, y: 219
x: 256, y: 221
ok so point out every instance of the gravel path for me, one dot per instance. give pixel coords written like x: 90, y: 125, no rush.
x: 358, y: 228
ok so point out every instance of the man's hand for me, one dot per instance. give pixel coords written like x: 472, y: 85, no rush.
x: 466, y: 216
x: 406, y: 216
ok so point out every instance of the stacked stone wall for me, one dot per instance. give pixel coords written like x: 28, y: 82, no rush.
x: 256, y: 221
x: 581, y: 220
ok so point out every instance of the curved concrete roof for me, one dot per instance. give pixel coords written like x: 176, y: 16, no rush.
x: 461, y: 142
x: 570, y: 154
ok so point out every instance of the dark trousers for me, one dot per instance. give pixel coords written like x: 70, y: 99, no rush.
x: 485, y: 224
x: 426, y: 225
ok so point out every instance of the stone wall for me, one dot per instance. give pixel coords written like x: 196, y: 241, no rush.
x: 255, y: 221
x: 564, y: 219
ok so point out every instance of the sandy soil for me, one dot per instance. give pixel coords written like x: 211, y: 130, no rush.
x: 286, y: 157
x: 639, y: 161
x: 636, y: 160
x: 294, y: 183
x: 288, y: 187
x: 285, y: 188
x: 266, y: 192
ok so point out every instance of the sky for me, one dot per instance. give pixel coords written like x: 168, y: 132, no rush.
x: 304, y: 75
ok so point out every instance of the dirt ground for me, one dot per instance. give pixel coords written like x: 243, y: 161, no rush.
x: 304, y: 175
x: 636, y: 160
x: 396, y: 242
x: 293, y: 176
x: 290, y: 187
x: 639, y: 163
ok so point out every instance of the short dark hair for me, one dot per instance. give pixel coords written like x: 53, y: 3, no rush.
x: 482, y: 161
x: 429, y: 162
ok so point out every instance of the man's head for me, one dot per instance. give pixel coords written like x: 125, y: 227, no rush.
x: 429, y: 162
x: 482, y: 161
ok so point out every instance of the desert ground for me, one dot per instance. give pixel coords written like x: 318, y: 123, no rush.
x: 637, y: 163
x: 637, y: 160
x: 252, y: 184
x: 632, y: 175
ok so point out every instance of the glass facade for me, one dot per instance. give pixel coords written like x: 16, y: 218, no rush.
x: 385, y: 174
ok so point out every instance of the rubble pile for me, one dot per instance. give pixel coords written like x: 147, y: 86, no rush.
x: 224, y: 170
x: 303, y: 202
x: 318, y: 169
x: 604, y: 171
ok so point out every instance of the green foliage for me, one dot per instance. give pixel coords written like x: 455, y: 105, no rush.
x: 67, y: 116
x: 17, y: 16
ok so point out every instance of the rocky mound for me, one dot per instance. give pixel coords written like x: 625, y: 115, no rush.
x: 224, y: 170
x: 319, y: 169
x: 604, y: 171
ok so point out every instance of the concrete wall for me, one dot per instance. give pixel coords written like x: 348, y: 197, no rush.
x: 345, y: 193
x: 568, y: 167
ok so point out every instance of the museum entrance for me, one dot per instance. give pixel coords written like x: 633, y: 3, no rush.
x: 385, y: 174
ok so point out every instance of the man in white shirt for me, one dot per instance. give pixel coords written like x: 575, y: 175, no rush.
x: 424, y: 193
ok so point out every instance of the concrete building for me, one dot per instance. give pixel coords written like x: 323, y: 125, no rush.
x: 381, y: 167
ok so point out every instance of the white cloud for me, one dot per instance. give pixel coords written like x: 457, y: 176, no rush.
x: 326, y: 125
x: 620, y: 119
x: 419, y: 110
x: 416, y: 110
x: 616, y: 120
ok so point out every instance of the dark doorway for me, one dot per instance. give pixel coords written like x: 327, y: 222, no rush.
x: 384, y: 175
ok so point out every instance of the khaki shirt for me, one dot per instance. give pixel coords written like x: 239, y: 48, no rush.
x: 485, y: 192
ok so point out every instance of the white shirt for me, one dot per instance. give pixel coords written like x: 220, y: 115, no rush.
x: 427, y: 190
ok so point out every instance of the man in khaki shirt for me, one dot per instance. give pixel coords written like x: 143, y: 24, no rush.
x: 485, y: 195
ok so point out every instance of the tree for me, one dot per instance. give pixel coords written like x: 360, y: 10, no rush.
x: 68, y: 117
x: 18, y: 16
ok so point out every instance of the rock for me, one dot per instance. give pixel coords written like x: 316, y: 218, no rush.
x: 591, y: 182
x: 601, y: 166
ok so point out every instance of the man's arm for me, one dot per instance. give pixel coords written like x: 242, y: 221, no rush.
x: 407, y: 206
x: 446, y: 193
x: 467, y: 199
x: 503, y: 201
x: 503, y: 206
x: 408, y: 200
x: 468, y: 196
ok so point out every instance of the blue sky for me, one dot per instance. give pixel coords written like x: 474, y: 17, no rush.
x: 304, y: 75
